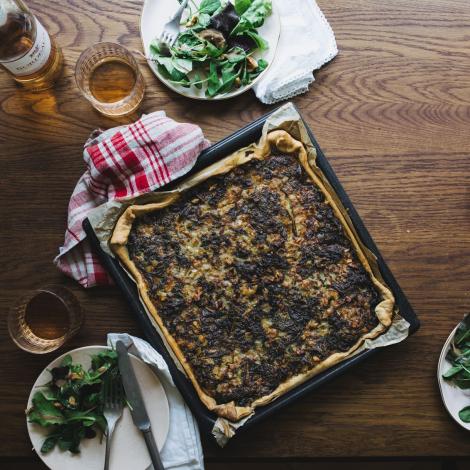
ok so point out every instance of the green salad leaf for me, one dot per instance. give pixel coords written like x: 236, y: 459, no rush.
x: 242, y: 5
x: 459, y: 356
x: 49, y: 443
x: 72, y: 405
x: 215, y: 51
x: 209, y: 6
x: 44, y: 412
x: 464, y: 414
x: 260, y: 41
x: 203, y: 21
x: 254, y: 16
x: 452, y: 372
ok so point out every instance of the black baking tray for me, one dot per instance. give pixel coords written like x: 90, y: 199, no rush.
x: 206, y: 419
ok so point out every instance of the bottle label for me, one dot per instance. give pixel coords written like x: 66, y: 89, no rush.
x: 36, y: 57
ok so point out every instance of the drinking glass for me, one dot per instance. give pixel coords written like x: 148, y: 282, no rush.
x: 109, y: 78
x: 44, y: 319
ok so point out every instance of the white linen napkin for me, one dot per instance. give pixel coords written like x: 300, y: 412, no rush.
x: 306, y: 43
x: 182, y: 449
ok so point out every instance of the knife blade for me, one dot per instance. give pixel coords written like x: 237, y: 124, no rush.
x: 136, y: 403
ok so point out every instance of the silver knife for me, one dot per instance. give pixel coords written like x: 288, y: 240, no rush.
x: 136, y: 403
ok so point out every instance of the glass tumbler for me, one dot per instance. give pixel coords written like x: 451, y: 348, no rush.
x: 109, y: 78
x: 44, y: 319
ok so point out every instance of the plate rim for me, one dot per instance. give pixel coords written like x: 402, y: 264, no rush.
x: 93, y: 346
x: 440, y: 380
x: 225, y: 96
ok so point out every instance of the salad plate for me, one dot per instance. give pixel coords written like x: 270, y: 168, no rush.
x: 128, y: 446
x: 193, y: 77
x: 454, y: 398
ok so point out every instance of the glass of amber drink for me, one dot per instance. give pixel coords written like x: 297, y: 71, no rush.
x: 45, y: 319
x: 109, y: 78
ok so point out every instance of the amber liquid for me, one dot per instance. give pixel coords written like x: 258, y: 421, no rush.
x: 16, y: 39
x: 47, y: 316
x: 112, y: 81
x: 47, y: 75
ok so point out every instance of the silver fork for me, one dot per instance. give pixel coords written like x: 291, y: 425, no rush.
x: 113, y: 396
x: 171, y: 30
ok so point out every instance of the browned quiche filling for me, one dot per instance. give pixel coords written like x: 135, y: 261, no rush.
x: 254, y: 277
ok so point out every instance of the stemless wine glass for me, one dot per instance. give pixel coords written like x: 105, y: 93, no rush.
x: 109, y: 78
x: 51, y: 311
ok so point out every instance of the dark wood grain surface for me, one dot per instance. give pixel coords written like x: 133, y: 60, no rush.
x: 392, y: 113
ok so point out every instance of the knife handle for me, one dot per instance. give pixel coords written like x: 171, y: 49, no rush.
x: 153, y: 449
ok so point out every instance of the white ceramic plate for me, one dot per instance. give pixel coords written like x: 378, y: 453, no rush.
x: 128, y: 447
x: 453, y: 397
x: 155, y: 14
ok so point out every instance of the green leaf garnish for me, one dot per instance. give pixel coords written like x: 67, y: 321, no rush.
x: 71, y: 404
x: 254, y: 16
x: 464, y: 414
x: 459, y: 356
x: 209, y: 6
x: 211, y: 53
x: 242, y: 5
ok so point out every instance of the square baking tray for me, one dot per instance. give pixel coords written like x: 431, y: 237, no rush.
x: 206, y: 419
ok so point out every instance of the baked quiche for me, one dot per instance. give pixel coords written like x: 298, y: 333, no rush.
x: 254, y: 278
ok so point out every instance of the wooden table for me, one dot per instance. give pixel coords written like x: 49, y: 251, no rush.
x: 392, y: 113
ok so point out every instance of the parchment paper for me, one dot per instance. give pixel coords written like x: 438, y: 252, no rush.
x: 104, y: 218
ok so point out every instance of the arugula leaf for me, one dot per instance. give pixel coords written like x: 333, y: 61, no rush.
x: 218, y: 66
x: 103, y: 358
x: 197, y: 81
x: 190, y: 46
x: 168, y: 69
x: 209, y: 6
x: 253, y: 17
x: 64, y: 444
x: 261, y: 43
x: 262, y: 64
x: 464, y: 414
x: 183, y: 65
x: 462, y: 334
x: 101, y: 423
x: 49, y: 443
x: 72, y: 409
x: 70, y: 438
x: 154, y: 49
x: 87, y: 418
x: 459, y: 356
x: 213, y: 82
x: 242, y: 5
x: 229, y: 75
x: 67, y: 360
x: 452, y: 372
x: 182, y: 80
x: 462, y: 382
x: 203, y: 20
x: 237, y: 54
x: 44, y: 412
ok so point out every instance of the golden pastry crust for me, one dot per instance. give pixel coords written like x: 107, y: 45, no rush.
x: 236, y: 409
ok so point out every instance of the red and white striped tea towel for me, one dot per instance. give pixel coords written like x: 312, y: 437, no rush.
x: 124, y: 162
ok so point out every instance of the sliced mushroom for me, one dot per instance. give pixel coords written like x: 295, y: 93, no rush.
x: 213, y: 36
x: 251, y: 64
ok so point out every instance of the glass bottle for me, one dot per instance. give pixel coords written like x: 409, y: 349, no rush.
x: 27, y: 51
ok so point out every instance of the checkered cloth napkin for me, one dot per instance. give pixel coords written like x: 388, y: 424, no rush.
x: 124, y: 162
